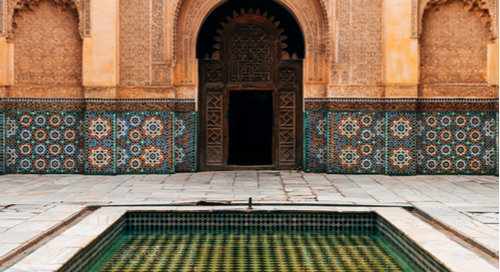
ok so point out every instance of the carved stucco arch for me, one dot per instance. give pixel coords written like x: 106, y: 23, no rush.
x: 311, y: 16
x: 420, y: 6
x: 13, y: 5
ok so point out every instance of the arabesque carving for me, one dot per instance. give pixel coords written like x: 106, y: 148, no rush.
x: 486, y: 9
x: 311, y: 16
x: 2, y: 17
x: 135, y: 42
x: 14, y: 6
x: 359, y: 42
x: 142, y: 33
x: 48, y: 45
x: 453, y: 46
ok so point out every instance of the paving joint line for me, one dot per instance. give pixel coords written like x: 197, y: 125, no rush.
x: 26, y: 248
x: 439, y: 224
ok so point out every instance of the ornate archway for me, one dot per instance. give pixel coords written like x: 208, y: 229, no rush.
x: 190, y: 15
x: 251, y: 70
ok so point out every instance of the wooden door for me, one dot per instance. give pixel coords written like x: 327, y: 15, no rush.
x: 250, y: 57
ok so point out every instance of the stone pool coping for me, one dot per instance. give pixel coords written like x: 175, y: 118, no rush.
x: 52, y: 255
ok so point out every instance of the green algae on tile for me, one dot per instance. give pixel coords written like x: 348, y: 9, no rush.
x: 247, y: 251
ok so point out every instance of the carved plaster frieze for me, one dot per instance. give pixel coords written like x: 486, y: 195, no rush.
x: 487, y: 9
x: 457, y: 91
x: 12, y: 6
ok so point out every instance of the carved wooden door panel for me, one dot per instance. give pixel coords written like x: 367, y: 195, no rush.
x: 250, y: 57
x: 214, y: 122
x: 289, y: 112
x: 212, y: 114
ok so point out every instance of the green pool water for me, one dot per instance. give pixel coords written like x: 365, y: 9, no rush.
x: 249, y: 251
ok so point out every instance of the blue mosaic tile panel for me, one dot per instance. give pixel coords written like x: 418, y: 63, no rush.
x: 400, y: 143
x: 316, y: 138
x: 44, y: 142
x: 145, y: 142
x: 2, y: 151
x: 185, y: 141
x: 357, y: 142
x: 100, y: 146
x: 496, y: 142
x: 456, y: 143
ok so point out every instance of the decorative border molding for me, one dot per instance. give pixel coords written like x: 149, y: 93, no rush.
x: 87, y: 27
x: 101, y: 100
x: 360, y: 99
x: 2, y: 17
x: 414, y: 19
x: 475, y: 100
x: 107, y: 105
x: 158, y: 29
x: 390, y: 104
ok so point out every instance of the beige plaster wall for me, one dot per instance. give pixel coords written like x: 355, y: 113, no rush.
x: 400, y: 57
x: 401, y: 52
x: 3, y: 61
x: 493, y: 63
x: 100, y: 63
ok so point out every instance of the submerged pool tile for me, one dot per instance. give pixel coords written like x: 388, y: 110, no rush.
x: 240, y: 251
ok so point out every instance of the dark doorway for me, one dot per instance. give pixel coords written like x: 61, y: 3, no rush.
x: 250, y: 92
x: 250, y: 128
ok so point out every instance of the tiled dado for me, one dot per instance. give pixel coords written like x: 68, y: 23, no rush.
x: 144, y: 142
x: 44, y: 142
x: 401, y: 143
x: 99, y: 142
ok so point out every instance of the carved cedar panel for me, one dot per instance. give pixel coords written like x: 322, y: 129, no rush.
x: 48, y: 46
x: 287, y: 126
x: 248, y: 58
x: 289, y: 82
x: 135, y: 40
x: 214, y: 122
x: 250, y: 54
x: 453, y: 46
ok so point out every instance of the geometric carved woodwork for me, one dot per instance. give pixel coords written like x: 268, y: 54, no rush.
x: 248, y: 58
x: 287, y: 137
x: 250, y: 54
x: 214, y: 126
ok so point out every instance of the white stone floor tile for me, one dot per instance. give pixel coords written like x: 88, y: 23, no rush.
x: 50, y: 199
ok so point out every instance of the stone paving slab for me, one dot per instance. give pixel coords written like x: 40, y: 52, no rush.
x: 49, y: 199
x: 52, y: 255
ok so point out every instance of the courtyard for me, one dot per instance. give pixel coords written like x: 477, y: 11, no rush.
x: 32, y: 206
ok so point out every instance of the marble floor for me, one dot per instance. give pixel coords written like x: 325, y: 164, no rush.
x: 31, y: 205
